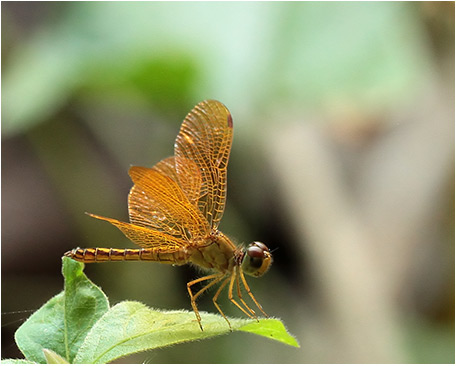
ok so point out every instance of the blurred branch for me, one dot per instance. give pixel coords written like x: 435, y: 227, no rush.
x: 361, y: 241
x: 402, y: 180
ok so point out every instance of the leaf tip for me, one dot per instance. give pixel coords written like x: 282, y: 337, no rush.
x: 271, y: 328
x: 53, y: 357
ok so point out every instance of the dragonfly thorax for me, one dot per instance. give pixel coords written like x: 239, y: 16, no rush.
x: 215, y: 252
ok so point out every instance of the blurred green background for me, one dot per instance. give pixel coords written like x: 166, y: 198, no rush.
x: 343, y: 162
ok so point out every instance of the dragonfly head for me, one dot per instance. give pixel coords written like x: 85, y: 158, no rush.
x: 257, y: 259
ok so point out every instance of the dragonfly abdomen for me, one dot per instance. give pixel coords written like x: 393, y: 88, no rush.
x: 97, y: 255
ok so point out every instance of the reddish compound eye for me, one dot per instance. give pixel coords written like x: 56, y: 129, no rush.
x: 257, y: 259
x: 255, y: 252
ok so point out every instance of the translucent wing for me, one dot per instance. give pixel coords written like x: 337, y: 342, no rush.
x: 205, y: 138
x: 157, y: 202
x: 145, y: 237
x: 189, y: 170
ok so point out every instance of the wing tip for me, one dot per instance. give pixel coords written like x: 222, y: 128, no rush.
x: 219, y: 105
x: 230, y: 120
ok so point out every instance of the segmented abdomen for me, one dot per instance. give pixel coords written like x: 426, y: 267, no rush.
x: 93, y: 255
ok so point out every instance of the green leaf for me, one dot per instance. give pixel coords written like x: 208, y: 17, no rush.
x: 61, y: 325
x: 271, y: 328
x: 131, y: 327
x: 85, y: 303
x: 77, y: 326
x: 12, y: 361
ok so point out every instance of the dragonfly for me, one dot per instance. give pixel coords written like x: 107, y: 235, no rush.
x: 175, y: 209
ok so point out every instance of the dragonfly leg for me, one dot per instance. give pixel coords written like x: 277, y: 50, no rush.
x: 216, y: 296
x: 238, y: 289
x: 215, y: 279
x: 206, y: 287
x: 248, y: 290
x: 230, y: 294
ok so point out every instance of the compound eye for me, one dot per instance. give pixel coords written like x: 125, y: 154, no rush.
x: 255, y: 252
x: 257, y: 259
x: 260, y: 245
x: 254, y: 263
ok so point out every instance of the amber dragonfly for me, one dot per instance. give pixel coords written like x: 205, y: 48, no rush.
x: 175, y: 209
